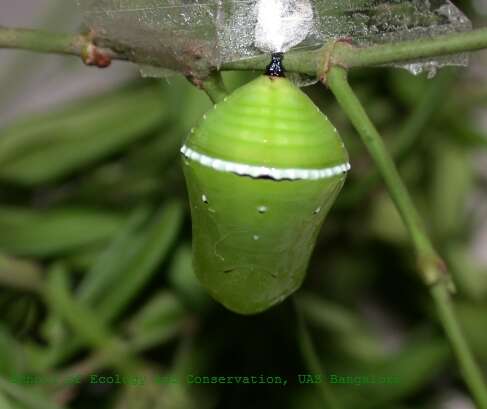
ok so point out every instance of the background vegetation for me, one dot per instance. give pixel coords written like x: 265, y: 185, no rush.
x: 95, y: 259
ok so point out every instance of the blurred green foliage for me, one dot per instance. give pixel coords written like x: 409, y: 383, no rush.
x: 95, y: 259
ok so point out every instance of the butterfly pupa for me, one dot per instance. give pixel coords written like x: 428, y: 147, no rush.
x: 262, y: 170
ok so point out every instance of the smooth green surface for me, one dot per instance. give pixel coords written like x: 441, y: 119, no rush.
x: 250, y: 260
x: 252, y: 238
x: 269, y: 122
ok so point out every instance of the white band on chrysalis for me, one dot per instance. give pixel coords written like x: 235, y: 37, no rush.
x: 263, y: 171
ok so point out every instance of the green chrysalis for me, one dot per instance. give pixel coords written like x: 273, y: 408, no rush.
x: 262, y: 170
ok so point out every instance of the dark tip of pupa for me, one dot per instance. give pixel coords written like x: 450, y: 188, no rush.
x: 276, y: 68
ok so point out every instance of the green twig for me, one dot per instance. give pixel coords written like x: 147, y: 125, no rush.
x: 343, y: 54
x: 468, y: 367
x: 214, y: 87
x: 431, y: 266
x: 347, y: 56
x: 306, y: 62
x: 41, y: 41
x: 409, y: 134
x: 58, y: 43
x: 20, y: 66
x: 308, y: 352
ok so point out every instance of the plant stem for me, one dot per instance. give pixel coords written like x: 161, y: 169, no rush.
x: 347, y: 56
x: 213, y: 86
x: 305, y: 62
x: 469, y: 368
x: 20, y: 66
x: 337, y: 81
x: 57, y: 43
x: 409, y: 134
x: 431, y: 266
x: 308, y: 352
x: 41, y: 41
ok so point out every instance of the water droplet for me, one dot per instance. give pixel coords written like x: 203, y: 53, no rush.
x: 415, y: 68
x: 432, y: 71
x: 262, y: 209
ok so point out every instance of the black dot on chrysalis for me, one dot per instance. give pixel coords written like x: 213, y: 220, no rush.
x: 276, y: 68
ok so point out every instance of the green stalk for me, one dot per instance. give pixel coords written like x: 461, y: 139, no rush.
x: 430, y: 263
x: 409, y: 134
x: 347, y: 56
x: 431, y: 266
x: 20, y: 67
x: 305, y: 62
x: 468, y: 367
x: 42, y: 41
x: 214, y: 87
x: 312, y: 361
